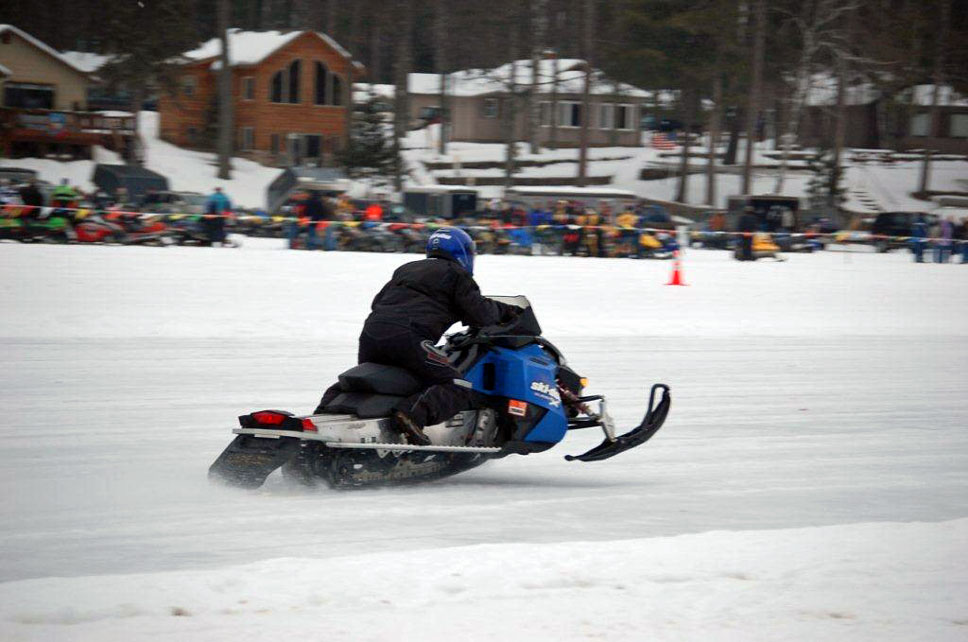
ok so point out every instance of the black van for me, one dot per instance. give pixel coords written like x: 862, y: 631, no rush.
x: 896, y: 224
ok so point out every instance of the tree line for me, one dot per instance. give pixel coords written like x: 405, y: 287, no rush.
x: 728, y: 61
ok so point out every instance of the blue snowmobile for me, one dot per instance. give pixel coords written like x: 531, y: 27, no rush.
x: 528, y: 400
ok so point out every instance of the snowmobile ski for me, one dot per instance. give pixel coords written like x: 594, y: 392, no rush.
x: 655, y: 416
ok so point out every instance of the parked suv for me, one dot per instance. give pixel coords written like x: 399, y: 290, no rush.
x: 894, y: 225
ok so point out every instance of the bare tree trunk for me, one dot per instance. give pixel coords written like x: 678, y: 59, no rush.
x: 799, y: 92
x: 331, y: 6
x: 588, y: 38
x: 537, y: 16
x: 682, y: 193
x: 350, y: 103
x: 938, y: 79
x: 553, y: 131
x: 510, y: 139
x: 135, y: 154
x: 840, y: 130
x: 356, y: 28
x: 440, y: 60
x: 224, y: 93
x: 755, y: 91
x: 401, y: 116
x: 714, y: 127
x: 376, y: 46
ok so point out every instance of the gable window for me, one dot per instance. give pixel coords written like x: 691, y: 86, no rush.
x: 275, y: 87
x: 490, y: 108
x: 294, y: 74
x: 321, y: 82
x: 188, y: 85
x: 248, y: 88
x: 337, y: 90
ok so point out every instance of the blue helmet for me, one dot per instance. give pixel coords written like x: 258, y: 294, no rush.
x: 452, y: 243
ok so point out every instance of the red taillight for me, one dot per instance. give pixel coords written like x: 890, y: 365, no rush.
x: 269, y: 418
x: 308, y: 425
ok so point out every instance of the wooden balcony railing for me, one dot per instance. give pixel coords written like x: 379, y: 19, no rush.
x: 47, y: 124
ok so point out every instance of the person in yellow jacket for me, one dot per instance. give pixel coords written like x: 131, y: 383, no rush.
x: 594, y: 242
x: 627, y: 223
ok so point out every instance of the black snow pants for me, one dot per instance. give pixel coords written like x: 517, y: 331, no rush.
x: 395, y: 344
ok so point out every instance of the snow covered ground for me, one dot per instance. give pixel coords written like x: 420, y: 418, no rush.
x: 888, y: 186
x: 810, y: 483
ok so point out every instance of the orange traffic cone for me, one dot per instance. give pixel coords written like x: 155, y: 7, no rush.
x: 676, y: 271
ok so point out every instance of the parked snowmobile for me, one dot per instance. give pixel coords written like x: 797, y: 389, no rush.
x: 529, y: 398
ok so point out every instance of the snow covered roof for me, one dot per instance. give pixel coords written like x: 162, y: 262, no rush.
x: 921, y: 95
x: 822, y: 91
x: 571, y: 190
x: 4, y: 71
x: 363, y: 90
x: 252, y: 47
x: 477, y: 82
x: 86, y: 61
x: 40, y: 45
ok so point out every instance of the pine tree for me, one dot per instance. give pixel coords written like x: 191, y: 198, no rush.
x: 825, y: 188
x: 371, y: 153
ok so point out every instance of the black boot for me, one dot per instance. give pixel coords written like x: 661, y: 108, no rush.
x: 405, y: 425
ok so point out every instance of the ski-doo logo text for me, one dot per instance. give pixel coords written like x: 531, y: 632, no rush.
x: 546, y: 391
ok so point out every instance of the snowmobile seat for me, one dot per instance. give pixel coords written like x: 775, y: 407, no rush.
x: 381, y: 379
x: 364, y: 405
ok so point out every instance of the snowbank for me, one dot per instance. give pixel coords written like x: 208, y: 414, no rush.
x: 859, y: 582
x: 196, y: 171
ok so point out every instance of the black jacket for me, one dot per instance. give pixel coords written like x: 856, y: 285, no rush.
x: 431, y: 295
x: 30, y: 195
x: 316, y: 210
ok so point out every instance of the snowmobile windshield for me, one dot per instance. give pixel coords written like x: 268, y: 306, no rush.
x: 520, y: 300
x: 524, y: 324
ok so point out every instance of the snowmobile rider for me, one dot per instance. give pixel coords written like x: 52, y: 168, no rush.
x: 409, y: 315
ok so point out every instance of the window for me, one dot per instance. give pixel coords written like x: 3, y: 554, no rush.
x: 313, y: 144
x: 275, y: 87
x: 569, y: 114
x: 623, y: 116
x: 246, y: 139
x: 274, y: 143
x: 294, y: 68
x: 192, y: 135
x: 189, y: 83
x: 337, y: 90
x: 958, y: 127
x: 284, y: 85
x: 321, y: 82
x: 605, y: 113
x: 28, y: 96
x: 921, y: 124
x: 490, y: 108
x: 248, y: 88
